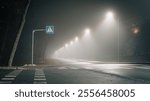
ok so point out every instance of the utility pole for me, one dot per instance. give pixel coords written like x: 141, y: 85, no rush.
x: 18, y: 35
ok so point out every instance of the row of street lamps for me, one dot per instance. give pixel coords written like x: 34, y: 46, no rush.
x: 87, y: 31
x: 76, y: 39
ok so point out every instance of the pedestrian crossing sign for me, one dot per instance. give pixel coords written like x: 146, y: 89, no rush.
x: 50, y: 29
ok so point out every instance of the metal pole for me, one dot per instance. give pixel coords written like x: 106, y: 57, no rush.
x: 118, y: 40
x: 18, y: 35
x: 33, y: 32
x: 32, y: 46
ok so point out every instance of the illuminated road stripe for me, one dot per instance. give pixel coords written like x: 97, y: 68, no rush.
x: 5, y: 82
x: 10, y: 77
x: 35, y: 82
x: 39, y: 77
x: 38, y: 71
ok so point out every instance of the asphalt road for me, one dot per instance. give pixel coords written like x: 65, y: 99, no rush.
x: 76, y: 72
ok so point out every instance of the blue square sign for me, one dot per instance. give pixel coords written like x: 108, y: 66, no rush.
x: 50, y: 29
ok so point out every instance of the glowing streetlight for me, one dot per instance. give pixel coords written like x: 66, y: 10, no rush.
x: 109, y: 15
x: 135, y: 29
x: 87, y: 31
x: 71, y: 42
x: 76, y: 39
x: 66, y: 45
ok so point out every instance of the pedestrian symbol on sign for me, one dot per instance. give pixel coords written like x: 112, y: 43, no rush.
x: 50, y: 29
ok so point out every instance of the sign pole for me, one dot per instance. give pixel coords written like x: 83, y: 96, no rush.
x: 49, y: 30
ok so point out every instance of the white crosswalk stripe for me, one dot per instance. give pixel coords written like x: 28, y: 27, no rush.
x: 5, y: 82
x: 39, y: 77
x: 37, y: 82
x: 10, y: 77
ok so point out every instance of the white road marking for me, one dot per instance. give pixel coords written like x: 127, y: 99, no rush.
x: 35, y: 82
x: 5, y: 82
x: 39, y: 77
x: 10, y: 77
x: 39, y: 74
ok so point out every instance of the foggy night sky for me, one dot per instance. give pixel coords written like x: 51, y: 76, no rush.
x: 71, y: 17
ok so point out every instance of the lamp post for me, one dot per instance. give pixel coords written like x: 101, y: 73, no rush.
x: 109, y: 16
x: 118, y: 40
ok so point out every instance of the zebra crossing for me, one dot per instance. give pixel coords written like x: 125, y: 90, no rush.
x: 9, y: 78
x: 39, y: 77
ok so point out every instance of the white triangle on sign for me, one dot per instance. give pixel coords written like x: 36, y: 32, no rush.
x: 50, y: 30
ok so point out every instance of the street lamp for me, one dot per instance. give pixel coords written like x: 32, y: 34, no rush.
x: 135, y: 29
x: 76, y: 39
x: 66, y: 45
x: 71, y: 42
x: 87, y: 31
x: 110, y: 16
